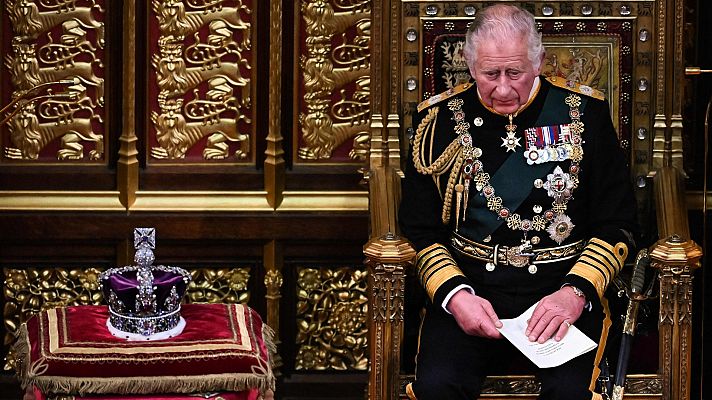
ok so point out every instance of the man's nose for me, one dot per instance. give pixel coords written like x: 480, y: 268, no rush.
x: 503, y: 86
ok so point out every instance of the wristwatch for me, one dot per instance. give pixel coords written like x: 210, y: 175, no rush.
x: 578, y: 292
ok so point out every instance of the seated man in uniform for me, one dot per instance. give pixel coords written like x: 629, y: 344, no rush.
x: 516, y: 192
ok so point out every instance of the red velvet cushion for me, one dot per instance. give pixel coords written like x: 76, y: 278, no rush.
x: 224, y: 347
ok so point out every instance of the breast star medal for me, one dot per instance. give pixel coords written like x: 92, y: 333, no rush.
x: 511, y: 142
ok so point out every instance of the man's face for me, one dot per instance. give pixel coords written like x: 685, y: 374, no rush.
x: 504, y: 74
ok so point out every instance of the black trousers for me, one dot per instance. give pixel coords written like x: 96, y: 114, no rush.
x: 453, y: 365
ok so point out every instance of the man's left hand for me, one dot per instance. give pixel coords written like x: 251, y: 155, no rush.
x: 554, y: 315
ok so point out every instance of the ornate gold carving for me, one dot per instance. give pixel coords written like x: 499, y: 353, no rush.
x: 387, y: 258
x: 219, y: 285
x: 332, y: 307
x: 175, y: 135
x: 216, y: 62
x: 29, y: 291
x: 388, y: 290
x: 511, y: 385
x: 70, y: 56
x: 28, y: 22
x: 273, y: 262
x: 175, y: 21
x: 643, y: 384
x: 676, y: 259
x: 328, y: 69
x: 273, y: 282
x: 30, y: 136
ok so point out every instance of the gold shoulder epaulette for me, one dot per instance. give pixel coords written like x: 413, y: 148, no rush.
x: 444, y: 95
x: 576, y: 87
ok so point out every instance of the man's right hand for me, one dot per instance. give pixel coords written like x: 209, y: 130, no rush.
x: 474, y: 315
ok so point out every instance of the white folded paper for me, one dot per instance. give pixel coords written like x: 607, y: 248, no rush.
x: 550, y: 353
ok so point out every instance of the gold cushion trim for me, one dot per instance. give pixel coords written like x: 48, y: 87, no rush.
x: 235, y: 310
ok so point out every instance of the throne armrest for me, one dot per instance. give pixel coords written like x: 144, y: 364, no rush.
x: 387, y: 259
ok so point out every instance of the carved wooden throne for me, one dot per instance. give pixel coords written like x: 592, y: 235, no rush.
x: 617, y: 47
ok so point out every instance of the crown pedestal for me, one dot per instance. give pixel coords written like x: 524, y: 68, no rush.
x: 144, y: 300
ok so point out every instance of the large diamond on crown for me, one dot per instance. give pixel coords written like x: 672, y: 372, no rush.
x: 144, y: 299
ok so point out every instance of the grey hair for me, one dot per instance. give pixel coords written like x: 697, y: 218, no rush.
x: 503, y: 22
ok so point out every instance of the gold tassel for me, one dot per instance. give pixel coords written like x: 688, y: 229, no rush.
x: 458, y: 203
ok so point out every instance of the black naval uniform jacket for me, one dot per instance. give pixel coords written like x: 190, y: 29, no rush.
x: 601, y: 207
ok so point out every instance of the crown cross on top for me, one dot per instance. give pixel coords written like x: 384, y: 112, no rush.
x: 144, y: 242
x: 145, y: 237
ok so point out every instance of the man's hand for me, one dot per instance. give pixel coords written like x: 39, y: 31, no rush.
x: 554, y: 314
x: 474, y: 315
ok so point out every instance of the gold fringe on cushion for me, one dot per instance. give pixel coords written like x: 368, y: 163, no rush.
x: 261, y: 378
x: 268, y: 337
x: 153, y: 384
x: 21, y: 349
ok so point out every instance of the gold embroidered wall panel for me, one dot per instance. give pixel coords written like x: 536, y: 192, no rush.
x: 201, y: 81
x: 59, y: 44
x: 333, y: 86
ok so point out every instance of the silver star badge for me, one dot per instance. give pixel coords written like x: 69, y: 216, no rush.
x: 560, y: 228
x: 510, y: 142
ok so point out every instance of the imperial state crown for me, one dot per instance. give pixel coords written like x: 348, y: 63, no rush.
x: 144, y: 299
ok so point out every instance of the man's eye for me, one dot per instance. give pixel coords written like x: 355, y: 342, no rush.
x: 514, y: 74
x: 492, y: 74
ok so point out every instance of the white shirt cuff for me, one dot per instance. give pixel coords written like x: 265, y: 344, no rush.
x: 452, y: 293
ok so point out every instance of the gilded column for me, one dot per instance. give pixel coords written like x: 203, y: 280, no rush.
x: 274, y: 160
x: 387, y: 258
x: 676, y: 259
x: 127, y: 170
x: 273, y: 262
x: 660, y: 149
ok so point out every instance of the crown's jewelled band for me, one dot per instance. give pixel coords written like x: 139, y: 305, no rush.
x: 145, y: 326
x: 118, y: 314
